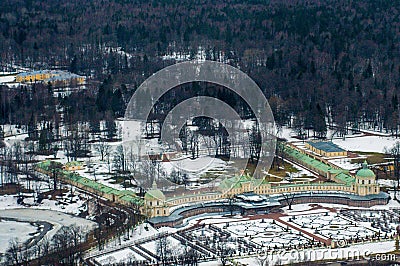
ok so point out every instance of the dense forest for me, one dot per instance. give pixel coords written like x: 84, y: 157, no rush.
x: 318, y: 62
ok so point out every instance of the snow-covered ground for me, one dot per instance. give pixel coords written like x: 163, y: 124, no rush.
x: 301, y: 171
x: 266, y: 232
x: 367, y: 143
x: 299, y: 209
x: 290, y: 134
x: 64, y: 205
x: 353, y: 142
x: 6, y: 79
x: 199, y: 55
x: 126, y: 255
x: 345, y: 163
x: 171, y: 242
x: 359, y: 251
x: 13, y: 132
x: 287, y: 133
x: 387, y: 182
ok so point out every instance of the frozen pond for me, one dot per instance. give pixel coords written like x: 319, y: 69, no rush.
x: 56, y: 219
x: 9, y: 230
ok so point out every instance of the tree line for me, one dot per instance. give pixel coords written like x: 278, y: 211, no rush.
x: 317, y: 61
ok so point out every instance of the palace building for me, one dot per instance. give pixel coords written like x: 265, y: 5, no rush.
x: 54, y: 77
x: 358, y: 190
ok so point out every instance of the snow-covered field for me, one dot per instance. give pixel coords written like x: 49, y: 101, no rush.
x: 367, y: 143
x: 353, y: 142
x: 126, y: 255
x: 61, y: 205
x: 5, y: 79
x: 345, y: 163
x: 172, y: 243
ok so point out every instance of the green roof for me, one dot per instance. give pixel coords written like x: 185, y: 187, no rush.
x: 345, y: 178
x: 311, y: 184
x: 308, y: 160
x: 364, y: 172
x: 73, y: 163
x: 45, y: 165
x: 125, y: 195
x: 154, y: 194
x: 234, y: 182
x: 340, y: 174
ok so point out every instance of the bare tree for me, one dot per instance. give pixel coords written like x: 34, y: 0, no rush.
x: 395, y: 153
x: 14, y: 252
x: 119, y: 159
x: 224, y: 252
x: 66, y: 244
x: 164, y: 250
x: 43, y: 248
x: 108, y: 162
x: 262, y: 259
x: 103, y: 148
x: 74, y: 143
x: 289, y: 198
x: 189, y: 257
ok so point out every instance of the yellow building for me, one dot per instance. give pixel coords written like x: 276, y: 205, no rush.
x: 73, y: 166
x: 157, y: 204
x: 325, y: 148
x: 54, y: 77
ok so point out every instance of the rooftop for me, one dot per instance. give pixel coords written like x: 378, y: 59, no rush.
x: 125, y: 195
x: 340, y: 174
x: 337, y: 194
x: 365, y: 172
x: 327, y: 146
x: 234, y: 182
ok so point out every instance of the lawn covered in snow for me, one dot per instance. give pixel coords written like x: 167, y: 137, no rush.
x: 6, y: 79
x: 367, y: 143
x: 125, y: 255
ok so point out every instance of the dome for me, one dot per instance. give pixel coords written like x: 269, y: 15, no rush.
x: 364, y: 172
x: 154, y: 193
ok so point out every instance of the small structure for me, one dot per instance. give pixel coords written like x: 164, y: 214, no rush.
x: 73, y: 166
x: 325, y: 148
